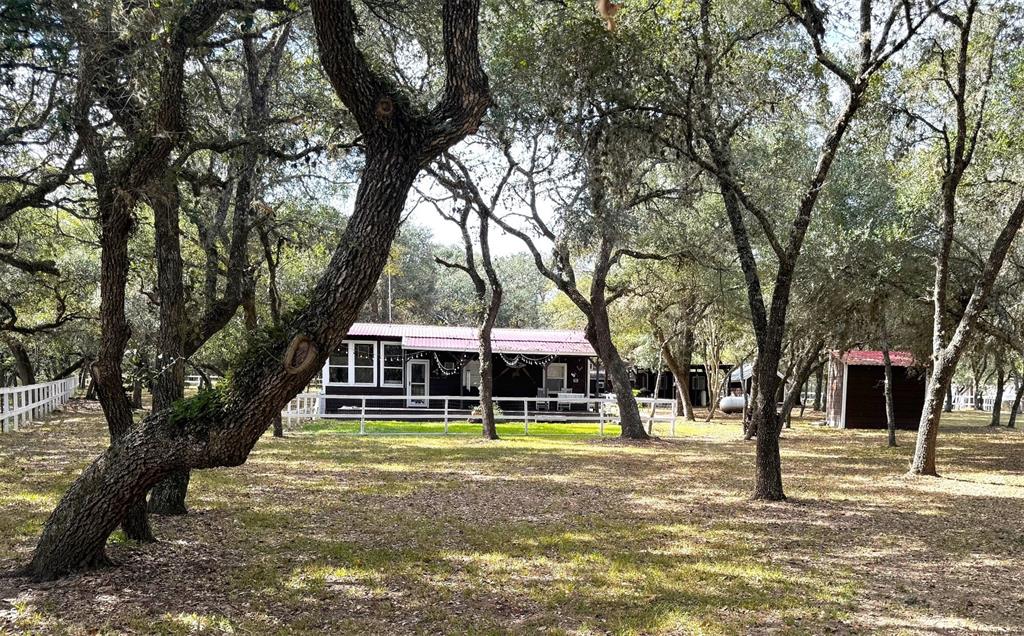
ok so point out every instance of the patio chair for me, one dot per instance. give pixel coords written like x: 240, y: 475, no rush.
x: 543, y: 406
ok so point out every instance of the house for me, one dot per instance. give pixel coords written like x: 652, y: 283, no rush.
x: 856, y: 390
x: 419, y: 365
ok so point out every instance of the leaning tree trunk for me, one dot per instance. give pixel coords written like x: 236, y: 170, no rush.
x: 945, y: 358
x: 1011, y: 422
x: 220, y: 428
x: 928, y: 428
x: 223, y: 427
x: 600, y: 337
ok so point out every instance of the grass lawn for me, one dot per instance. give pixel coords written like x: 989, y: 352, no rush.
x: 326, y: 532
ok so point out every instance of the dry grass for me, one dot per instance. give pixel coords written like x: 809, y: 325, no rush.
x: 326, y: 533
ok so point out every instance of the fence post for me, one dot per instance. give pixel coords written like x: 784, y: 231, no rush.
x: 446, y: 416
x: 675, y: 414
x: 3, y: 413
x: 362, y: 416
x: 600, y: 409
x: 526, y: 417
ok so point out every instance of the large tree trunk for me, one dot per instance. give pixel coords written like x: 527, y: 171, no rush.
x: 945, y: 357
x: 600, y: 337
x: 923, y: 462
x: 115, y: 229
x: 767, y: 425
x: 229, y: 424
x: 169, y: 383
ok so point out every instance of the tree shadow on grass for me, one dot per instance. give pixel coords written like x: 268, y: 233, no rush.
x: 334, y: 534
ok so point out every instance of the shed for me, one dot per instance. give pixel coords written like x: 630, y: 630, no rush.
x: 856, y: 390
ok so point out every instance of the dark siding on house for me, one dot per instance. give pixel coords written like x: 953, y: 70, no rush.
x: 865, y: 397
x: 508, y: 381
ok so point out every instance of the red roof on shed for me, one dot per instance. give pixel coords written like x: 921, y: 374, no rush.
x: 434, y: 338
x: 874, y: 358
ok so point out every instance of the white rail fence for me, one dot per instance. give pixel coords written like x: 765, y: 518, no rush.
x: 451, y: 409
x: 965, y: 402
x: 20, y: 405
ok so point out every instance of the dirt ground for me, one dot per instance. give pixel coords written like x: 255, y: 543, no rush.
x: 328, y: 533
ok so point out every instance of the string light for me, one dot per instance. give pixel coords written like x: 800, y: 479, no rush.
x: 521, y: 360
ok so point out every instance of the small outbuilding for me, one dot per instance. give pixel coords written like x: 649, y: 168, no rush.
x: 856, y: 390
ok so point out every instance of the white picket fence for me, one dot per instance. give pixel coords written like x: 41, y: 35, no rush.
x: 22, y: 404
x: 597, y: 410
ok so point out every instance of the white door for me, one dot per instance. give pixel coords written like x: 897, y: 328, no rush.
x: 419, y: 382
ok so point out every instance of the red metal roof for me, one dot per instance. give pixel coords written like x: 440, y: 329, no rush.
x: 434, y: 338
x: 874, y: 358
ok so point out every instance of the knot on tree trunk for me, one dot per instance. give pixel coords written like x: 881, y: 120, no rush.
x: 385, y: 109
x: 300, y: 356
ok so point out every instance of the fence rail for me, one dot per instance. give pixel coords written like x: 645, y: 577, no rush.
x: 364, y: 408
x: 966, y: 402
x: 20, y: 405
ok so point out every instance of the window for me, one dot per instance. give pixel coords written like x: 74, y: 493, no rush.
x: 355, y: 364
x: 471, y: 375
x: 364, y: 362
x: 337, y: 368
x: 392, y: 362
x: 554, y: 377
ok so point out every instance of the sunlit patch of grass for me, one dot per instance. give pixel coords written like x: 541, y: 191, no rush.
x: 192, y: 623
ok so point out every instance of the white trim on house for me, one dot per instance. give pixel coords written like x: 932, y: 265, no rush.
x: 348, y: 346
x: 846, y: 383
x: 384, y: 364
x: 565, y: 375
x: 425, y: 400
